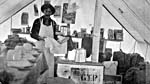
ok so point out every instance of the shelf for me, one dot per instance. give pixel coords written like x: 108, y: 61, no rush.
x: 114, y: 40
x: 23, y: 33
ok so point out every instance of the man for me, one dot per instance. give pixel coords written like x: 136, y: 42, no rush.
x: 40, y: 25
x: 44, y: 31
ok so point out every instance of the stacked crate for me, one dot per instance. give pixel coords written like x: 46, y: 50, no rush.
x: 147, y: 74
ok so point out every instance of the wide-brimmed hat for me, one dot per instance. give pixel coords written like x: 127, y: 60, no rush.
x: 45, y: 6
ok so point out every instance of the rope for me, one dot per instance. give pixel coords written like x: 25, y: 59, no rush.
x: 40, y: 6
x: 134, y: 47
x: 120, y: 42
x: 120, y: 46
x: 10, y: 25
x: 146, y: 51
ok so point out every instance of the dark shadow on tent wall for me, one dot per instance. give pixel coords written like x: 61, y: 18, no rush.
x: 36, y: 12
x: 24, y: 18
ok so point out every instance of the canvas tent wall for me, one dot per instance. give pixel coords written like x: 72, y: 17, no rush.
x: 135, y: 20
x: 9, y: 8
x: 134, y: 15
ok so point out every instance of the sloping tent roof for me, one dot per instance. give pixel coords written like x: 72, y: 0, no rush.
x: 133, y: 15
x: 9, y: 8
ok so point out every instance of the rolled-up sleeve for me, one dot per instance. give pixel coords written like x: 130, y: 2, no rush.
x: 35, y: 29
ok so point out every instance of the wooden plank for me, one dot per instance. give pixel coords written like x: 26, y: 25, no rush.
x: 112, y: 79
x: 96, y: 31
x: 147, y: 73
x: 126, y: 25
x: 78, y: 63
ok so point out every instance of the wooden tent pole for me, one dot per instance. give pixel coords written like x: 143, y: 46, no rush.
x: 96, y: 31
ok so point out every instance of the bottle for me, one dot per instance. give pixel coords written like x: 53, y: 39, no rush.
x: 28, y: 30
x: 102, y: 33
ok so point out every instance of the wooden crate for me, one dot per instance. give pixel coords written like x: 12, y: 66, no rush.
x: 81, y: 73
x: 147, y: 74
x: 112, y: 79
x: 2, y: 63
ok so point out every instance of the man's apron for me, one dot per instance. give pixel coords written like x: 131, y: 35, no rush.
x: 50, y: 42
x: 50, y: 47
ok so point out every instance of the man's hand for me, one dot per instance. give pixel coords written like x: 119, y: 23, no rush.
x: 62, y: 39
x: 41, y: 38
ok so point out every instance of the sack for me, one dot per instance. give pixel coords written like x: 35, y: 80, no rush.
x: 70, y: 44
x: 136, y: 59
x: 140, y: 77
x: 135, y: 76
x: 87, y: 44
x: 110, y: 67
x: 123, y: 61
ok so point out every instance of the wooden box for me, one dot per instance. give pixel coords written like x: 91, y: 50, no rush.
x: 81, y: 73
x: 112, y: 79
x: 147, y: 74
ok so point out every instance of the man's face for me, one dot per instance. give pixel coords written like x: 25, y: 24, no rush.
x: 47, y: 11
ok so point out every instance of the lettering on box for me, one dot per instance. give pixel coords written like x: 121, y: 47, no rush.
x: 81, y: 73
x: 85, y: 75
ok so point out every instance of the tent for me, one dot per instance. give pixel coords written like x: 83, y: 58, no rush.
x: 131, y: 15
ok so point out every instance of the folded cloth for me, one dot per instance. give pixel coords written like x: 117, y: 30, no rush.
x: 63, y: 39
x: 40, y: 45
x: 19, y: 64
x: 55, y: 47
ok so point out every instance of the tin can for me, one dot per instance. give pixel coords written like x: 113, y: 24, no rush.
x: 27, y: 30
x: 23, y: 30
